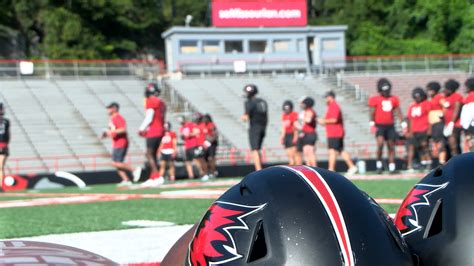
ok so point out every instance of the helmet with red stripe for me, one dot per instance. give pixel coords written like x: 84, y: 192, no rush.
x: 436, y: 218
x: 296, y: 216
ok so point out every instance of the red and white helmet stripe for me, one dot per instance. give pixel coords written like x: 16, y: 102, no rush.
x: 329, y: 201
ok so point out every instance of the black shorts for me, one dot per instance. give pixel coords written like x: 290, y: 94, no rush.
x: 256, y: 136
x: 387, y: 132
x: 118, y: 154
x: 153, y: 144
x: 309, y: 139
x: 417, y: 139
x: 437, y: 132
x: 336, y: 144
x: 189, y: 154
x: 4, y: 151
x: 288, y: 140
x: 166, y: 157
x: 211, y: 151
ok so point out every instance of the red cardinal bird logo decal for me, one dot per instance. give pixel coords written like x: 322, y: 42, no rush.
x: 213, y: 243
x: 406, y: 219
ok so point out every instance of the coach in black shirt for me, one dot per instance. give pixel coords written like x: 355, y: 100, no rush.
x: 256, y: 112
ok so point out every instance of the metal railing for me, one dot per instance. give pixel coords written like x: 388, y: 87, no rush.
x: 400, y: 63
x: 147, y: 69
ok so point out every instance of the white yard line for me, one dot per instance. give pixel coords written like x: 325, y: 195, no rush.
x: 123, y: 246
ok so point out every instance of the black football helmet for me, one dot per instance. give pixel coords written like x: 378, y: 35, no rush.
x: 433, y: 86
x: 451, y: 86
x: 384, y: 87
x: 418, y: 94
x: 296, y: 215
x: 307, y: 102
x: 152, y: 89
x: 437, y: 219
x: 469, y: 83
x: 287, y: 106
x: 250, y: 90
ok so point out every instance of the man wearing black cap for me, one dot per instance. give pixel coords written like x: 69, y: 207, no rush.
x: 117, y: 131
x: 256, y: 112
x: 4, y: 141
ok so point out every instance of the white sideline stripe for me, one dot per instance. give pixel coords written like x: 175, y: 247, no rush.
x: 142, y: 245
x: 73, y: 178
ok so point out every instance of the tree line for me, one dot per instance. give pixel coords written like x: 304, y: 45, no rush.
x: 109, y: 29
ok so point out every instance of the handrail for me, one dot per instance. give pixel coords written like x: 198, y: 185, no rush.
x: 225, y: 155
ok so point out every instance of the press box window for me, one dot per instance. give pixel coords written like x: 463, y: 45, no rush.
x: 281, y: 45
x: 210, y: 47
x: 233, y: 46
x: 188, y: 47
x: 258, y: 46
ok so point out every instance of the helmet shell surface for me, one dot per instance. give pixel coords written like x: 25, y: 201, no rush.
x: 296, y: 216
x: 436, y: 218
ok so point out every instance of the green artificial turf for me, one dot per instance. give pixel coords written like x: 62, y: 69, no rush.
x: 98, y: 216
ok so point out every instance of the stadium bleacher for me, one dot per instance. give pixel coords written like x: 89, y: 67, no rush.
x: 64, y: 117
x: 222, y: 97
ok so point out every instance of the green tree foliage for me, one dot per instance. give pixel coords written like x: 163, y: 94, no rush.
x: 132, y: 28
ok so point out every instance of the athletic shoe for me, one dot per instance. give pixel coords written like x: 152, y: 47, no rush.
x: 379, y: 171
x: 159, y: 181
x: 215, y: 174
x: 136, y: 174
x: 148, y: 183
x: 124, y: 184
x: 153, y: 182
x: 409, y: 171
x: 205, y: 178
x: 352, y: 171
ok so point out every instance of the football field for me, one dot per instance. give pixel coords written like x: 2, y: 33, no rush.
x: 107, y: 207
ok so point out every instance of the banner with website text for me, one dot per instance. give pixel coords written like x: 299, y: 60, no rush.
x: 259, y: 13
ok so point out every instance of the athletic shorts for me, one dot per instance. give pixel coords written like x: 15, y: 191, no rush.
x: 288, y: 140
x: 256, y: 136
x: 437, y: 132
x: 199, y: 152
x: 118, y: 154
x: 166, y: 157
x: 336, y: 144
x: 189, y: 154
x: 387, y: 132
x: 211, y: 151
x: 4, y: 151
x: 309, y: 139
x: 153, y: 144
x: 417, y: 139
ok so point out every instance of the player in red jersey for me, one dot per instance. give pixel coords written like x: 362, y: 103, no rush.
x: 384, y: 106
x: 289, y: 131
x: 418, y: 126
x: 152, y: 128
x: 168, y: 149
x: 452, y: 104
x: 308, y: 136
x: 467, y: 114
x: 189, y: 133
x: 334, y: 123
x: 436, y: 120
x: 200, y: 151
x: 4, y: 141
x: 117, y: 131
x: 211, y: 144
